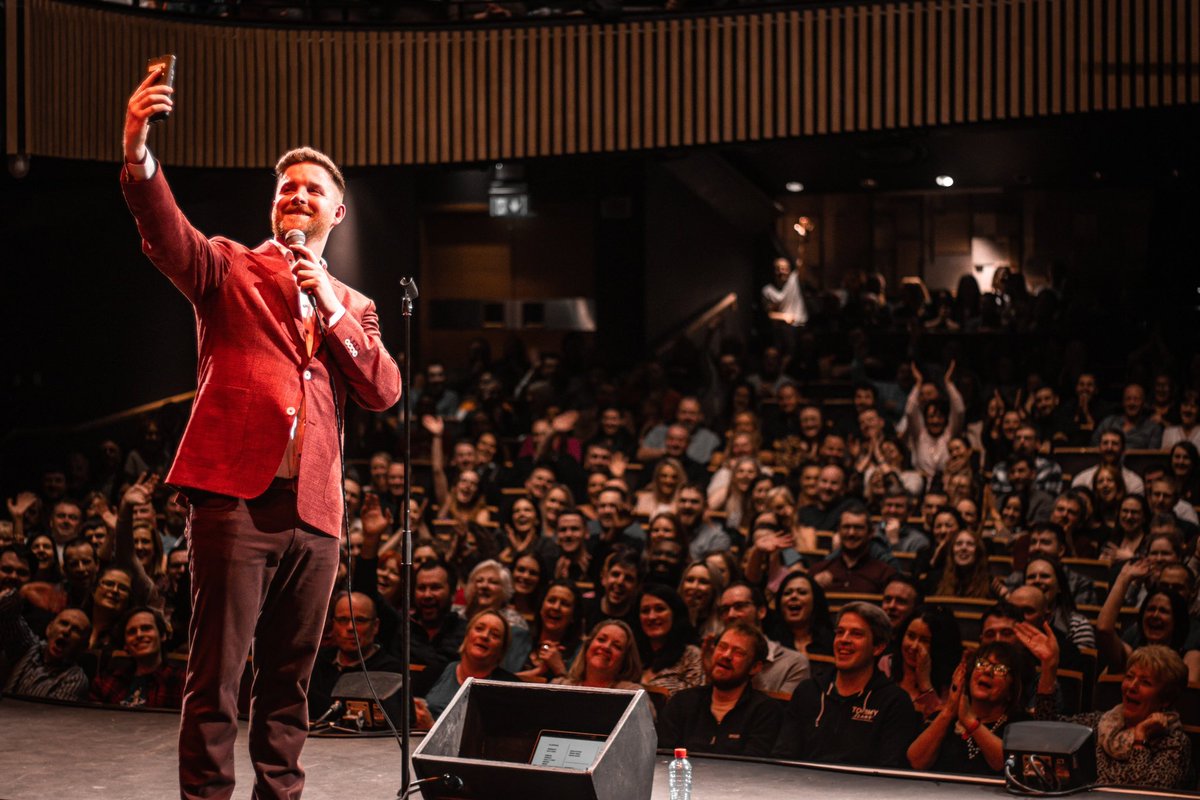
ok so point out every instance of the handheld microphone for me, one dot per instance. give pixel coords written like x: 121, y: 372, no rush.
x: 296, y: 238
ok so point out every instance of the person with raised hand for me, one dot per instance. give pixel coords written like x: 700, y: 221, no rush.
x: 281, y: 347
x: 1140, y: 741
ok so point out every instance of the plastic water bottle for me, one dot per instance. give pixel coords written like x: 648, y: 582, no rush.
x: 679, y: 776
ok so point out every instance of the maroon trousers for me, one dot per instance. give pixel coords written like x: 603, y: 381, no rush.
x: 261, y: 580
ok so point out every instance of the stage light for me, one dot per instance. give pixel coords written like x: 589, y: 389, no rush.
x: 794, y: 186
x: 944, y: 181
x: 868, y: 183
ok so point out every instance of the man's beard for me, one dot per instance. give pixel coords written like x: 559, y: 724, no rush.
x: 313, y: 227
x: 728, y: 683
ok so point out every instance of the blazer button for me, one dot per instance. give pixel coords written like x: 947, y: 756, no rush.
x: 291, y: 412
x: 308, y: 374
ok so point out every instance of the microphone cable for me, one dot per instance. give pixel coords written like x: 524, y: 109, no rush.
x: 362, y: 659
x: 297, y: 237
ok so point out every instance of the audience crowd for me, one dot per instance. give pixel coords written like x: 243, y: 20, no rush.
x: 813, y: 547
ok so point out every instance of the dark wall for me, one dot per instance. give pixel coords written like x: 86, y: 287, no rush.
x: 93, y: 328
x: 694, y: 257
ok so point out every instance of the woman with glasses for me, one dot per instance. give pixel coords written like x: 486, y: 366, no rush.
x: 967, y: 735
x: 110, y: 600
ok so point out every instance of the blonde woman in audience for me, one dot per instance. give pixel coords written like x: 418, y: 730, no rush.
x: 701, y: 587
x: 1140, y: 741
x: 608, y: 659
x: 660, y: 495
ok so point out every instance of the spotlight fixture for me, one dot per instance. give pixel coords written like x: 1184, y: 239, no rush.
x: 868, y: 183
x: 944, y: 181
x: 794, y: 186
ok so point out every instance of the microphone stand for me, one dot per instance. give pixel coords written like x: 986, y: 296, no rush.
x: 409, y: 286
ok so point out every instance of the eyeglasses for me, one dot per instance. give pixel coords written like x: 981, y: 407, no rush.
x: 357, y: 620
x: 109, y: 583
x: 8, y: 569
x: 725, y: 608
x: 999, y: 670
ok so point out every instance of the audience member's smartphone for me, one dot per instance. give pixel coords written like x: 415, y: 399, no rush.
x: 166, y: 66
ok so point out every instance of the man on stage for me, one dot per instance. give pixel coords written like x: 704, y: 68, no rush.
x: 281, y: 346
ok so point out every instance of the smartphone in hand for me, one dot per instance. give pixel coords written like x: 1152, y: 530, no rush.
x: 166, y: 67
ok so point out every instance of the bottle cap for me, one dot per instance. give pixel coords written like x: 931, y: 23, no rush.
x: 681, y: 752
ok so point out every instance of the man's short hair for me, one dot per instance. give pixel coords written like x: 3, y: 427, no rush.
x: 1053, y: 528
x: 310, y: 155
x: 616, y: 487
x: 910, y: 582
x: 80, y: 541
x: 22, y: 552
x: 756, y: 594
x: 92, y: 523
x: 866, y: 386
x: 627, y: 557
x: 877, y: 621
x: 1029, y: 461
x: 570, y: 512
x: 160, y: 622
x: 440, y: 563
x: 854, y: 507
x: 1003, y: 610
x: 754, y: 635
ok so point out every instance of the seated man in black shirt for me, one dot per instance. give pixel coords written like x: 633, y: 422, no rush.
x: 852, y: 567
x: 727, y: 716
x: 856, y: 716
x: 620, y: 584
x: 342, y: 657
x: 436, y: 631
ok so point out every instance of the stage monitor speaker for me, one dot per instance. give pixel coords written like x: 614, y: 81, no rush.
x: 361, y: 711
x: 507, y: 740
x: 1048, y: 757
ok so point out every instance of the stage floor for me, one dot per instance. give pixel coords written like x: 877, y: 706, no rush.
x: 64, y: 752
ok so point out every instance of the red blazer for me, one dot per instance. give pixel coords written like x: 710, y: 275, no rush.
x: 253, y: 369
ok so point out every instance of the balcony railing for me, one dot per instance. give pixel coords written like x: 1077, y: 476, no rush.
x: 475, y: 93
